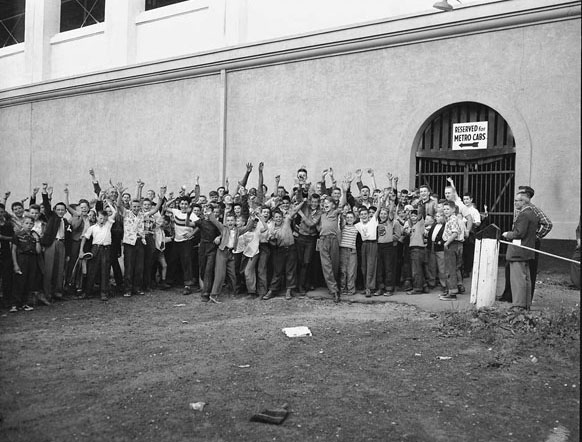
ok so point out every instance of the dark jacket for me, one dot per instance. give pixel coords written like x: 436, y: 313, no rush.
x: 439, y: 243
x: 52, y: 227
x: 525, y: 227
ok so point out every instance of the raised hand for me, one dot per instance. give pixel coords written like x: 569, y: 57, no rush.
x: 277, y: 178
x: 92, y: 173
x: 371, y: 172
x: 261, y: 166
x: 249, y: 167
x: 35, y: 190
x: 389, y: 176
x: 7, y: 195
x: 359, y: 174
x: 50, y: 191
x: 331, y: 172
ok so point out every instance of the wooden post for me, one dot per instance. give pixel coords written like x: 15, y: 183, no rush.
x: 485, y: 267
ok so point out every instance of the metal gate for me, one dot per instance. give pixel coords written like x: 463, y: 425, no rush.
x: 488, y: 174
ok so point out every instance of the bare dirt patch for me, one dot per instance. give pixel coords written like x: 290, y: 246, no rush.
x: 127, y: 370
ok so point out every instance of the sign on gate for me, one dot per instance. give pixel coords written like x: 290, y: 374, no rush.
x: 468, y: 136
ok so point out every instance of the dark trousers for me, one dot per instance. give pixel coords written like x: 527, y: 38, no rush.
x: 99, y: 267
x: 284, y: 267
x: 305, y: 246
x: 75, y: 248
x: 133, y: 261
x: 368, y: 263
x: 418, y: 263
x: 114, y: 264
x: 54, y: 268
x: 263, y: 268
x: 183, y: 251
x: 240, y: 270
x: 385, y: 268
x: 453, y: 264
x: 7, y: 275
x: 533, y: 273
x: 23, y: 283
x: 148, y: 258
x: 402, y: 272
x: 207, y: 259
x: 195, y: 263
x: 468, y: 254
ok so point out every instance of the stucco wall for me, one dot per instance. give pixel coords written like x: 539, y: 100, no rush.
x: 347, y: 111
x: 163, y: 133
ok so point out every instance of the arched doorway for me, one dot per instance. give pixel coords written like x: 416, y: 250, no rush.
x: 479, y: 156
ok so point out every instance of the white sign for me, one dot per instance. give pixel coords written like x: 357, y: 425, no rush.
x: 467, y: 136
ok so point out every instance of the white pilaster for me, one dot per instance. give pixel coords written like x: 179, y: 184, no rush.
x: 120, y: 30
x: 42, y: 21
x: 235, y: 22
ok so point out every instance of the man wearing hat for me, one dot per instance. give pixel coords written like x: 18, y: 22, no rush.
x: 523, y: 233
x: 544, y: 227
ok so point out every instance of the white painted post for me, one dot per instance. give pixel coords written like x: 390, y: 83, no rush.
x: 485, y: 269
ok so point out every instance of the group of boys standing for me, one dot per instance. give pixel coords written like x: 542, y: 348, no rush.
x: 259, y: 243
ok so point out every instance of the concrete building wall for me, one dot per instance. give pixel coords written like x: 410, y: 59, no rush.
x: 358, y: 108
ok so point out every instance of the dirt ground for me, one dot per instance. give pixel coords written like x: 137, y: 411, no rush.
x: 128, y: 369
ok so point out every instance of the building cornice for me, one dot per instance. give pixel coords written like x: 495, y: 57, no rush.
x: 476, y: 19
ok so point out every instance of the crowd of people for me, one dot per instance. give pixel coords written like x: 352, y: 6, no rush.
x: 251, y: 240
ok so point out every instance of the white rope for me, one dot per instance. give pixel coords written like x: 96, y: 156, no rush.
x: 539, y: 251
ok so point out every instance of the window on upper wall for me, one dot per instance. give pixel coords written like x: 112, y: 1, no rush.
x: 11, y: 22
x: 153, y: 4
x: 77, y: 14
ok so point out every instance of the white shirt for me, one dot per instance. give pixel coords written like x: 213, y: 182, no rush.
x: 101, y: 234
x: 368, y: 231
x: 474, y: 213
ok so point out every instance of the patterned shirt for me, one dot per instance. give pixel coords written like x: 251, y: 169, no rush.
x: 132, y: 228
x: 451, y: 227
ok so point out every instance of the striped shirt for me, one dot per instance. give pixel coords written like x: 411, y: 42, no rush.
x: 349, y: 235
x: 181, y: 232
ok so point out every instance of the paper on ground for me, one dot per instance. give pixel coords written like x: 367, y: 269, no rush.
x: 294, y: 332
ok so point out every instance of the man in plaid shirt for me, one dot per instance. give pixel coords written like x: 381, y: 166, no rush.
x: 545, y: 226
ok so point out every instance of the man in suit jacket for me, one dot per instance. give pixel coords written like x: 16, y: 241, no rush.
x: 523, y: 233
x: 56, y: 242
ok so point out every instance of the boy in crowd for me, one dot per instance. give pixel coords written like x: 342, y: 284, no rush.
x: 283, y: 253
x: 183, y: 221
x: 6, y: 264
x: 348, y: 255
x: 227, y: 242
x: 251, y: 254
x: 388, y: 234
x: 368, y: 230
x: 25, y: 248
x: 418, y: 258
x: 57, y: 244
x: 436, y: 253
x: 453, y: 250
x: 207, y: 252
x: 329, y: 237
x: 134, y: 241
x: 99, y: 266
